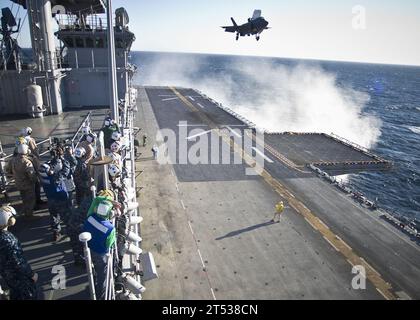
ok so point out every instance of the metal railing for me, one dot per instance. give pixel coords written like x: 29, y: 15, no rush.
x: 4, y: 181
x: 398, y: 220
x: 87, y: 122
x: 74, y: 22
x: 356, y: 146
x: 125, y: 272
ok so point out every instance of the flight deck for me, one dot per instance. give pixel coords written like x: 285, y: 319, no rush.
x: 209, y: 225
x: 216, y: 231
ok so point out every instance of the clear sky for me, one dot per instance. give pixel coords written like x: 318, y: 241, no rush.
x: 317, y: 29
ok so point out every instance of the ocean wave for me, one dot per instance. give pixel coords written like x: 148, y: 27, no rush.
x: 392, y: 107
x: 414, y: 129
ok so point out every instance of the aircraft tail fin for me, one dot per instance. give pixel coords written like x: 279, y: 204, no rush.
x: 233, y: 21
x: 256, y: 14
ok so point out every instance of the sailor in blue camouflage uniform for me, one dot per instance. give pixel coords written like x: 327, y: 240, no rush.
x: 14, y: 269
x: 72, y: 161
x: 62, y: 175
x: 58, y: 204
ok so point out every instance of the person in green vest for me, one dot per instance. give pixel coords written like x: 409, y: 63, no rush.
x: 99, y: 224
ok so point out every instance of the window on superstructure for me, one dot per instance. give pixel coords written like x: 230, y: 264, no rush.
x: 99, y: 42
x: 79, y: 42
x: 89, y: 43
x: 69, y: 42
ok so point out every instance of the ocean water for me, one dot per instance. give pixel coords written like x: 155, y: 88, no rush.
x: 376, y: 106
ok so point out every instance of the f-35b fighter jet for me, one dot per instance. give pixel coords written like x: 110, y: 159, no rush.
x: 254, y: 26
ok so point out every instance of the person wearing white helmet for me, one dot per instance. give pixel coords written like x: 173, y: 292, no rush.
x: 86, y: 130
x: 88, y: 146
x: 58, y: 198
x: 114, y: 153
x: 116, y: 136
x: 110, y: 126
x: 22, y: 168
x: 79, y: 152
x: 33, y: 155
x: 114, y: 171
x: 14, y: 268
x: 115, y: 146
x: 26, y: 133
x: 116, y: 158
x: 82, y: 176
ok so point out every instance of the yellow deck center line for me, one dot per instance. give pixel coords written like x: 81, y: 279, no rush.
x: 336, y: 242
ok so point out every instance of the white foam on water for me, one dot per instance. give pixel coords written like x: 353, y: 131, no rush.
x: 414, y: 129
x: 298, y: 98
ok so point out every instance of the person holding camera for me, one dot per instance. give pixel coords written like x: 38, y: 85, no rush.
x: 57, y: 195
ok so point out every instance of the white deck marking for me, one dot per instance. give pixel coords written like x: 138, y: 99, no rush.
x: 212, y: 292
x: 383, y: 294
x: 176, y: 186
x: 182, y: 203
x: 192, y: 99
x: 200, y: 105
x: 332, y: 245
x: 192, y: 231
x: 168, y: 99
x: 262, y: 155
x: 201, y: 258
x: 198, y: 134
x: 191, y: 125
x: 234, y: 132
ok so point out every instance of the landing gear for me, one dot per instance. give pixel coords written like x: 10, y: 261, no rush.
x: 237, y: 36
x: 257, y: 37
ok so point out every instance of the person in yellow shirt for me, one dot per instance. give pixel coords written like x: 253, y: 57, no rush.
x: 279, y: 210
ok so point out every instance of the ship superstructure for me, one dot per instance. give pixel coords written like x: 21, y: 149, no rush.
x: 71, y: 54
x: 80, y: 76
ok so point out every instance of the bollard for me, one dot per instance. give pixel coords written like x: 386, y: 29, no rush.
x: 93, y: 189
x: 85, y: 237
x: 132, y: 236
x: 135, y: 220
x: 133, y: 249
x: 133, y: 285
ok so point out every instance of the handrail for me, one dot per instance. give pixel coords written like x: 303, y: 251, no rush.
x: 3, y: 176
x: 37, y: 144
x: 85, y: 123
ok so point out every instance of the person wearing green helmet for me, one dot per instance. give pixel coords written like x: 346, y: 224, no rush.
x: 100, y: 226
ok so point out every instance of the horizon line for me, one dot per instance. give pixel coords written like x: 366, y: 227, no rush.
x: 276, y: 57
x: 280, y: 57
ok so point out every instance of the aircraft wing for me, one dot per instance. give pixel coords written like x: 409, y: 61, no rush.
x: 230, y: 29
